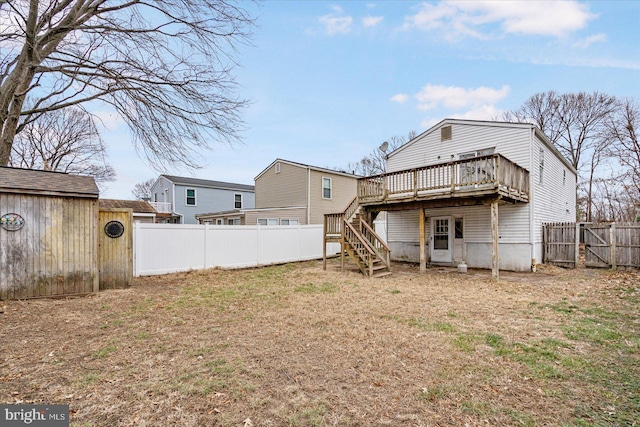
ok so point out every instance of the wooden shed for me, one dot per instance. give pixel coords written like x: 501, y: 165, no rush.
x: 48, y: 234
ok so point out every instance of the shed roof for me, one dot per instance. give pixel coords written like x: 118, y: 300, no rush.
x: 138, y: 206
x: 181, y: 180
x: 49, y: 183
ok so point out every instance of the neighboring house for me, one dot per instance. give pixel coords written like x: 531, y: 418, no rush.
x: 470, y: 191
x: 183, y: 198
x: 291, y: 193
x: 142, y: 210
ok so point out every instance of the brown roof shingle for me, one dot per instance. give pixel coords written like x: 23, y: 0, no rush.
x: 30, y: 181
x: 138, y: 206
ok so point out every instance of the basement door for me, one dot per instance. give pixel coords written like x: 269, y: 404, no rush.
x: 441, y: 239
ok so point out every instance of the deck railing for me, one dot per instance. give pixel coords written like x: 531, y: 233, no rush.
x: 161, y: 207
x: 484, y: 172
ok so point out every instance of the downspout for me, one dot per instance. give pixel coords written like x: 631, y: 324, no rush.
x: 308, y: 195
x: 532, y: 235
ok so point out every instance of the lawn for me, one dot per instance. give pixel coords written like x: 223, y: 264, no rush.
x: 294, y: 345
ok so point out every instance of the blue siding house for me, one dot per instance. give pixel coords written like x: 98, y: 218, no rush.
x: 178, y: 199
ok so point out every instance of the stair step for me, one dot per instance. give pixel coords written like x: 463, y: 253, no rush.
x: 383, y: 274
x: 379, y: 267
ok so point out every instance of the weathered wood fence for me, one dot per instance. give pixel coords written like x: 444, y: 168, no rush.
x: 606, y: 245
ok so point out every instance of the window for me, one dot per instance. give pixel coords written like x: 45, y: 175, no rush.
x: 237, y: 203
x: 326, y: 188
x: 219, y: 221
x: 191, y: 197
x: 441, y: 234
x: 278, y: 167
x: 289, y: 222
x: 155, y: 197
x: 233, y: 221
x: 445, y: 133
x: 267, y: 221
x: 459, y: 231
x: 541, y: 160
x: 564, y: 177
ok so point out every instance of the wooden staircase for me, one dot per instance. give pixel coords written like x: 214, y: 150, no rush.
x: 358, y: 240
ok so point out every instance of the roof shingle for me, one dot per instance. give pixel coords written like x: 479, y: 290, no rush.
x: 15, y: 180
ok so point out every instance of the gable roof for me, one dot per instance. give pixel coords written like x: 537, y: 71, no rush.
x: 138, y: 206
x: 302, y: 165
x: 489, y: 123
x: 31, y: 181
x: 196, y: 182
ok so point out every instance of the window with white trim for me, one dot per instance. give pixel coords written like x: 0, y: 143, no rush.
x: 237, y: 201
x: 233, y: 221
x: 219, y: 221
x: 541, y: 161
x: 267, y: 221
x: 326, y: 188
x: 289, y: 221
x: 191, y: 197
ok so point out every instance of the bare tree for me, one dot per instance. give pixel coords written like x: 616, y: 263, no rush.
x: 576, y: 124
x: 142, y: 190
x: 622, y: 131
x: 375, y: 162
x: 62, y: 140
x: 165, y: 66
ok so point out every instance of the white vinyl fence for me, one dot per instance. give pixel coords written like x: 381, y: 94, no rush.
x: 170, y: 248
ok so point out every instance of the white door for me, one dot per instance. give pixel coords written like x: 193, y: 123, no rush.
x: 441, y: 239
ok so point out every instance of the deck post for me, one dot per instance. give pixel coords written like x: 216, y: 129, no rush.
x: 324, y: 244
x: 423, y: 248
x: 342, y: 245
x: 495, y: 256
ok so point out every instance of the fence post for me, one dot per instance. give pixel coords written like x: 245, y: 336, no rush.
x: 206, y: 233
x: 577, y: 249
x: 612, y: 238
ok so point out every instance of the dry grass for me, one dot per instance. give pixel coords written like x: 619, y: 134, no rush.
x: 294, y: 345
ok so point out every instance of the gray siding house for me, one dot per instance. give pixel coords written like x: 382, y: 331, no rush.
x: 179, y: 199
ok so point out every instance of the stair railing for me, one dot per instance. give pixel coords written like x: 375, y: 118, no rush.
x: 362, y: 248
x: 379, y: 245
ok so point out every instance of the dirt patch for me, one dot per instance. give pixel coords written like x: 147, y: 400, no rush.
x: 296, y: 345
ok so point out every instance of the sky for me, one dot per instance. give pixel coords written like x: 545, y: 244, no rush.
x: 331, y: 81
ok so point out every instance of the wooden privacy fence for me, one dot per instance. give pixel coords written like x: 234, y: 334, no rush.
x: 606, y: 245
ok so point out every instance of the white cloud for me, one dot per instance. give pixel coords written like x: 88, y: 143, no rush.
x: 478, y: 19
x: 371, y: 21
x: 454, y: 97
x: 400, y: 98
x: 336, y: 24
x: 588, y: 41
x: 483, y: 112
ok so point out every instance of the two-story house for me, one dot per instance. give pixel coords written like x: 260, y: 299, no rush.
x: 472, y: 191
x: 180, y: 199
x: 291, y: 193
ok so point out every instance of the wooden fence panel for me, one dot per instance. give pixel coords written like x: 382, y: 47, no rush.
x: 559, y: 244
x: 627, y: 245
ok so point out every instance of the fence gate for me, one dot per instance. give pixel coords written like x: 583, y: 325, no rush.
x: 115, y: 251
x: 597, y: 245
x: 559, y: 244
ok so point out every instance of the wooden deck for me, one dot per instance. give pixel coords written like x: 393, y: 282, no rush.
x: 461, y: 182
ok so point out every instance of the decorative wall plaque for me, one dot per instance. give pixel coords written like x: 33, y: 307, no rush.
x: 11, y: 222
x: 114, y: 229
